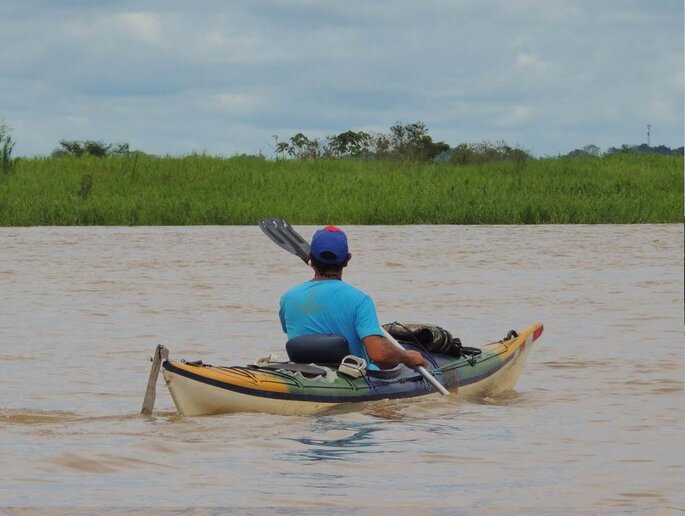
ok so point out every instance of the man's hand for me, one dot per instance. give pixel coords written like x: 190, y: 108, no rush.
x: 415, y: 359
x: 382, y: 352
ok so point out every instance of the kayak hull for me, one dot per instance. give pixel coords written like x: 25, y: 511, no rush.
x: 203, y: 390
x: 193, y: 398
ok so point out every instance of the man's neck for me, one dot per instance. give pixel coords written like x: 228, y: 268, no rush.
x: 319, y: 276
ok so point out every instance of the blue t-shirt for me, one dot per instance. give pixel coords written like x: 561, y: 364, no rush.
x: 330, y: 306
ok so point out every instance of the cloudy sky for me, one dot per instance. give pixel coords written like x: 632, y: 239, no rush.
x: 225, y: 77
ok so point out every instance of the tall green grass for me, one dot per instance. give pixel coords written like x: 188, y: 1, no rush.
x: 198, y: 189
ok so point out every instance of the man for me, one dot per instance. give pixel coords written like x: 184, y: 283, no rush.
x: 328, y: 305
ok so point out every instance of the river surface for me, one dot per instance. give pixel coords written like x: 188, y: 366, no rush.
x: 596, y: 423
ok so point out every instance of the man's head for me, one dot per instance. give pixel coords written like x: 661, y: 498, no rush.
x: 329, y: 248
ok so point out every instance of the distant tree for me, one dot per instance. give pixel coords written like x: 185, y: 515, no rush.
x: 408, y: 141
x: 381, y: 146
x: 68, y: 148
x: 98, y: 149
x: 645, y: 149
x: 282, y: 148
x: 120, y: 149
x: 412, y: 142
x: 486, y: 152
x: 592, y: 150
x: 586, y: 152
x: 348, y: 144
x: 464, y: 154
x: 302, y: 147
x: 6, y: 148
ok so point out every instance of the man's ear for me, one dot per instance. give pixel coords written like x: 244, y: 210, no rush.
x: 349, y: 255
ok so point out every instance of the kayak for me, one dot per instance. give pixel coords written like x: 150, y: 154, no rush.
x: 291, y: 388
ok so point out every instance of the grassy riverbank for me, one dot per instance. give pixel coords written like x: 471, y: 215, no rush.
x: 207, y: 190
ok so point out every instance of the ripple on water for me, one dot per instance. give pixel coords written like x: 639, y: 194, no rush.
x: 36, y: 417
x: 97, y: 463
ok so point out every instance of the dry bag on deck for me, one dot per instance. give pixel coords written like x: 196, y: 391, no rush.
x: 428, y: 336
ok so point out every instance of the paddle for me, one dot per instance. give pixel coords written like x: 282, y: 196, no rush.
x: 286, y: 237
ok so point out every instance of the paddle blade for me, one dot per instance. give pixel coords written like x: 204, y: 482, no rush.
x: 286, y: 237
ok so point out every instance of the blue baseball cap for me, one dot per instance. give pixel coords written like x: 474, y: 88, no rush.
x: 329, y: 246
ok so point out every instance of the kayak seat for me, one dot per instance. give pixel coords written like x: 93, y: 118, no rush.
x: 317, y: 349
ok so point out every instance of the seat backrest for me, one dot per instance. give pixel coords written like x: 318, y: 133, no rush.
x: 317, y: 349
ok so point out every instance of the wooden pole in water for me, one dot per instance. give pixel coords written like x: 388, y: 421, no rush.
x: 161, y: 354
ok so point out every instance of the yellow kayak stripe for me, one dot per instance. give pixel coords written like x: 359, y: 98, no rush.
x: 238, y: 377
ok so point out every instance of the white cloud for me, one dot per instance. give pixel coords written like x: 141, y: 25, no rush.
x: 89, y: 28
x: 526, y: 60
x: 146, y: 27
x: 238, y: 103
x: 516, y: 116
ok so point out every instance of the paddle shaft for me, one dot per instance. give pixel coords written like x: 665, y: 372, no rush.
x: 283, y: 234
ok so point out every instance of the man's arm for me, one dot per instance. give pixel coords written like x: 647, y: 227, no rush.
x: 383, y: 353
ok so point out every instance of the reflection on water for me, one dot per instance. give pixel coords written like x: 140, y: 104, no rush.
x: 349, y: 447
x: 594, y: 425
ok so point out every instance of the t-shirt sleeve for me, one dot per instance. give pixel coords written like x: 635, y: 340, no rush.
x: 366, y: 320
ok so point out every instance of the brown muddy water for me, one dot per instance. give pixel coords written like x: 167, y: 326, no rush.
x: 594, y: 425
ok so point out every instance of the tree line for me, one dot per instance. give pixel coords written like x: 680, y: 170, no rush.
x: 593, y: 151
x: 403, y: 142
